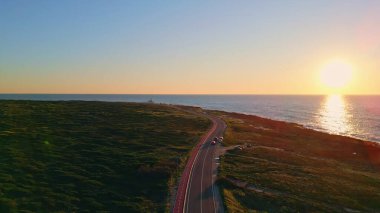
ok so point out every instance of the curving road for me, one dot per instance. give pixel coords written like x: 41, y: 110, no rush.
x: 197, y: 191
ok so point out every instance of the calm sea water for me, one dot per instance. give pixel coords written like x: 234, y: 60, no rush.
x: 355, y: 116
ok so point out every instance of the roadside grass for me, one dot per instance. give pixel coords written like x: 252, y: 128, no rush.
x: 92, y: 156
x: 287, y: 168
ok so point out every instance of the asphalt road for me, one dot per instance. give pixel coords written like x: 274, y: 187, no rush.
x: 197, y: 191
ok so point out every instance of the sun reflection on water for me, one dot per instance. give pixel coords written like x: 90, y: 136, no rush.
x: 334, y: 115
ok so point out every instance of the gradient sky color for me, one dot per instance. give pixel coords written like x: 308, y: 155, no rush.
x: 186, y: 47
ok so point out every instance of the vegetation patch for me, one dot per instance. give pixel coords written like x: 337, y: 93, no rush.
x: 282, y: 167
x: 92, y: 156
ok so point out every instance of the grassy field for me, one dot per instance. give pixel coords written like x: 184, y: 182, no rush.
x: 87, y: 156
x: 286, y: 168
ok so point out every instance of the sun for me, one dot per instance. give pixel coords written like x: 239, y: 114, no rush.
x: 336, y: 74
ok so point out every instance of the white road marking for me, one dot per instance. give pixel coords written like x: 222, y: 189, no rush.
x: 190, y: 182
x: 212, y: 183
x: 203, y: 167
x: 188, y: 189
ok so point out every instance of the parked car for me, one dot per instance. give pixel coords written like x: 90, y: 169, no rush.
x: 213, y: 142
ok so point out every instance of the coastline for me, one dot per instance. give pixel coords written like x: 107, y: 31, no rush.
x: 357, y: 116
x: 306, y: 131
x: 278, y: 166
x: 296, y: 123
x: 374, y: 143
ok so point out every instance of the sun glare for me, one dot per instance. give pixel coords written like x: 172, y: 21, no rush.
x: 336, y: 74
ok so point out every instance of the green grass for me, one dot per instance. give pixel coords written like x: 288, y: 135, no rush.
x: 92, y: 156
x: 292, y: 169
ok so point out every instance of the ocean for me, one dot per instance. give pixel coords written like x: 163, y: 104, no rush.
x: 354, y: 116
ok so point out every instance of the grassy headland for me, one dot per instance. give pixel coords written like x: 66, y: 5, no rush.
x: 284, y: 167
x: 91, y: 156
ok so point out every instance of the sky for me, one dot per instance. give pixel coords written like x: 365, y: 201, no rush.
x: 187, y: 47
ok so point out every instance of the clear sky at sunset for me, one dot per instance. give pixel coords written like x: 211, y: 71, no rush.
x: 187, y: 47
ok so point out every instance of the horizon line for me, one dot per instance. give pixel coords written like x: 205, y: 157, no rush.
x: 189, y: 94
